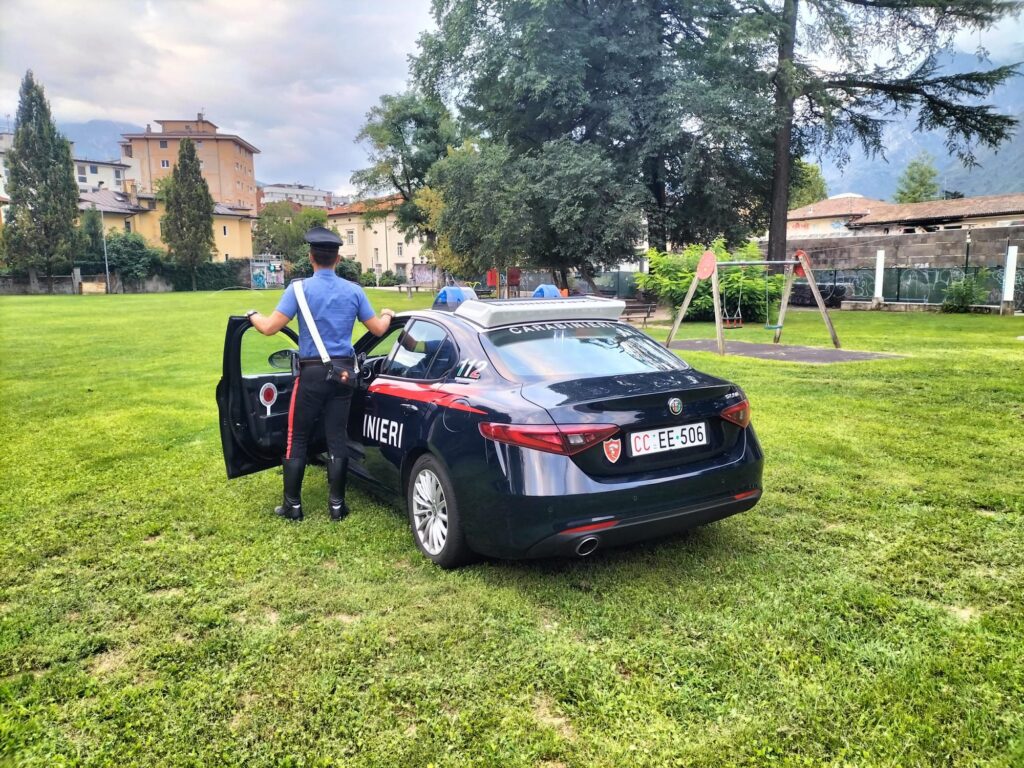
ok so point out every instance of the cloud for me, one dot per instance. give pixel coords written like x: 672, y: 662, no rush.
x: 293, y: 78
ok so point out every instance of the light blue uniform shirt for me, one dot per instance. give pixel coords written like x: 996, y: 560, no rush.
x: 335, y: 304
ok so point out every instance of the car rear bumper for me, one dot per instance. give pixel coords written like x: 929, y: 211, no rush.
x: 641, y: 528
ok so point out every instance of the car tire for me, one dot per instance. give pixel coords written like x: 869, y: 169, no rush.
x: 434, y: 514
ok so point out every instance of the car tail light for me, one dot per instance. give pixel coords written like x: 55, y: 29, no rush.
x: 738, y: 414
x: 564, y: 439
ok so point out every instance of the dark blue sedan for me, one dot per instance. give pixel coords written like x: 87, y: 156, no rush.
x: 516, y: 428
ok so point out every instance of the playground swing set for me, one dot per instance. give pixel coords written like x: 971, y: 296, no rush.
x: 708, y: 268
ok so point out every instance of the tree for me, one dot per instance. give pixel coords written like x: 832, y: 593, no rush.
x: 485, y: 215
x: 406, y: 134
x: 842, y: 66
x: 919, y: 181
x: 281, y: 230
x: 40, y: 221
x: 91, y: 231
x: 129, y: 255
x: 643, y: 81
x: 187, y: 227
x: 807, y: 185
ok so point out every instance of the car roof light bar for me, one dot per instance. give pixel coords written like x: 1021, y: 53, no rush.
x: 493, y: 314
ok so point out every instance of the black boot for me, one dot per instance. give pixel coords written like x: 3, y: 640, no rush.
x: 337, y: 475
x: 291, y: 506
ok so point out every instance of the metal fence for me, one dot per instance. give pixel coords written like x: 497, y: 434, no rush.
x: 923, y: 285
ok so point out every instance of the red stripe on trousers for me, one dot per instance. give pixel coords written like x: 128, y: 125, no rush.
x: 291, y: 418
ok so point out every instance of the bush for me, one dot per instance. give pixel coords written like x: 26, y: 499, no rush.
x: 389, y: 278
x: 671, y: 274
x: 128, y: 254
x: 210, y: 276
x: 368, y: 279
x: 961, y: 294
x: 350, y: 269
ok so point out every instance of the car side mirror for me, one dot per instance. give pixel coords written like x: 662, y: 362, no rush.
x: 282, y: 359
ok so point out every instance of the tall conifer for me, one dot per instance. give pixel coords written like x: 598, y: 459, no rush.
x: 40, y: 222
x: 188, y: 224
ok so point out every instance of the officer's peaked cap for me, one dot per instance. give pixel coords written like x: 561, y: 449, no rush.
x: 323, y: 238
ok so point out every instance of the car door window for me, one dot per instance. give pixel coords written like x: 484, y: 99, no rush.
x: 256, y: 351
x: 383, y: 346
x: 424, y: 351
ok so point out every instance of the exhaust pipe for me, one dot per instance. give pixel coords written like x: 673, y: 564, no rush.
x: 587, y: 546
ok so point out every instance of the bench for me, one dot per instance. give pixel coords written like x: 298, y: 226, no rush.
x: 635, y: 311
x: 410, y: 287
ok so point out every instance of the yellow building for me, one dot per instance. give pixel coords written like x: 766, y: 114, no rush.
x: 374, y: 241
x: 122, y: 212
x: 226, y: 160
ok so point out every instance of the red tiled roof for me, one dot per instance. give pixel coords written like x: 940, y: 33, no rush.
x: 836, y: 207
x: 364, y: 206
x: 940, y: 210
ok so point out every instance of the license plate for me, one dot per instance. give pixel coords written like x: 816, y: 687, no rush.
x: 668, y: 439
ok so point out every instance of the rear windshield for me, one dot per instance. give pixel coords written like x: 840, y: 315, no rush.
x: 578, y: 348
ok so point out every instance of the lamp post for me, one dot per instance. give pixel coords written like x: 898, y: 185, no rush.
x: 103, y: 236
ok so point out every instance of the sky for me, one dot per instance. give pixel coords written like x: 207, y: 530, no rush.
x: 293, y: 77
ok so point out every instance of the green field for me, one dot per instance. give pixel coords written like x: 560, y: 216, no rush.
x: 868, y: 612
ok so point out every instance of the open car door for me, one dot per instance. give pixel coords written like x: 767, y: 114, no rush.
x: 254, y: 395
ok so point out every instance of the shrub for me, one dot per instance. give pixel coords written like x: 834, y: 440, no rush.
x: 670, y: 276
x: 210, y: 276
x: 389, y: 278
x: 128, y: 253
x: 350, y: 269
x: 961, y: 294
x: 368, y: 279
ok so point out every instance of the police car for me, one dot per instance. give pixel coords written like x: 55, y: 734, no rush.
x: 516, y: 428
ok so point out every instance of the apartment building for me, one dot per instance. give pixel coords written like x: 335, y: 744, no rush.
x: 374, y: 240
x: 226, y: 160
x: 141, y: 213
x: 302, y: 194
x: 91, y: 175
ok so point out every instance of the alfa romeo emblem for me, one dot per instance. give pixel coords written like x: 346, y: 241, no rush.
x: 675, y: 406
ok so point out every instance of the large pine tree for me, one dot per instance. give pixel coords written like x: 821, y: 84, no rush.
x: 40, y: 222
x: 188, y: 224
x: 919, y: 181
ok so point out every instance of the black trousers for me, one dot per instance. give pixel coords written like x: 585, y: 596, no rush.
x: 314, y: 399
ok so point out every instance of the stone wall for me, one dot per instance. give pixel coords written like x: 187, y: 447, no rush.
x: 931, y: 249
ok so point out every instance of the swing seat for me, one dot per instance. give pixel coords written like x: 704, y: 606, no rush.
x: 771, y: 327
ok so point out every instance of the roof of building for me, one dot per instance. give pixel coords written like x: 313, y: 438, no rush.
x: 220, y: 209
x: 115, y: 163
x: 365, y: 206
x: 108, y: 201
x: 942, y: 210
x: 161, y: 135
x: 837, y: 206
x: 198, y: 119
x: 4, y: 199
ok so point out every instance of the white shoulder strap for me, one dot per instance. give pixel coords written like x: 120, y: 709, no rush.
x: 300, y: 296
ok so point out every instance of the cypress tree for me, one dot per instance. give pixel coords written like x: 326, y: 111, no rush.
x: 40, y: 222
x: 188, y: 224
x: 92, y: 235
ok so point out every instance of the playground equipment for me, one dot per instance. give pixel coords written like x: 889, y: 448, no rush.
x: 707, y: 268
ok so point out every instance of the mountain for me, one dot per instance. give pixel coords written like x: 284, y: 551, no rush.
x: 97, y: 139
x: 998, y: 171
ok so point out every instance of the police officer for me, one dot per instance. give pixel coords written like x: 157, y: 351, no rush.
x: 335, y: 305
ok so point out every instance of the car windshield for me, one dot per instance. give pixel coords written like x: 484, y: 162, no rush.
x: 578, y: 348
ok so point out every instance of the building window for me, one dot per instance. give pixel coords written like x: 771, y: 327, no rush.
x: 350, y: 236
x: 127, y: 149
x: 399, y: 249
x: 93, y: 169
x: 117, y: 173
x: 165, y: 163
x: 82, y: 179
x: 199, y: 142
x: 127, y: 225
x: 225, y: 228
x: 163, y: 144
x: 376, y: 256
x: 81, y: 170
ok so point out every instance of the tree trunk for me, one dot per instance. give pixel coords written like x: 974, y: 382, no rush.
x: 784, y: 98
x: 193, y: 278
x: 654, y: 178
x: 565, y: 278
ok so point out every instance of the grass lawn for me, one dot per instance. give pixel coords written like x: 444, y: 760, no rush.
x: 868, y: 612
